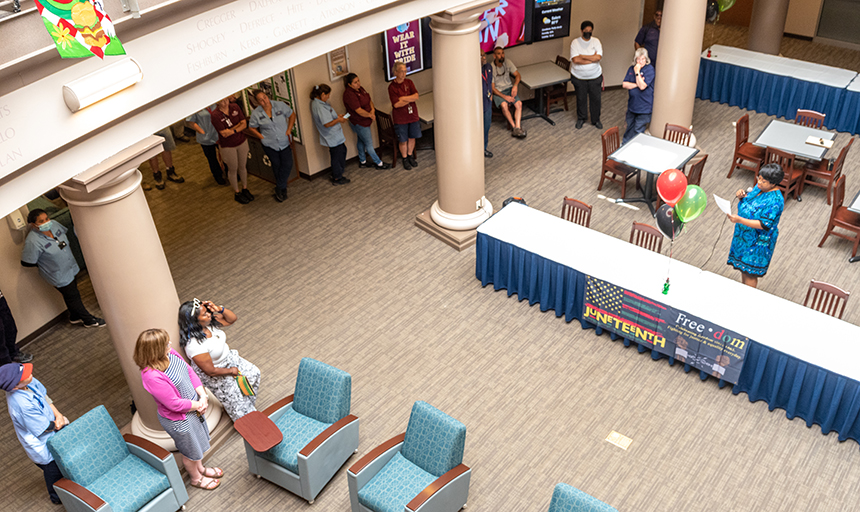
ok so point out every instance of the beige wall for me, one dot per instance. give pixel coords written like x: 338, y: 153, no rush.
x: 802, y: 19
x: 616, y: 27
x: 33, y: 302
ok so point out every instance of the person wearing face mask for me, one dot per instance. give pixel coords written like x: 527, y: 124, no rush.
x: 47, y: 248
x: 585, y: 55
x: 204, y: 342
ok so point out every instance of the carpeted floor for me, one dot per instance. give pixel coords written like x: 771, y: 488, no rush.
x: 340, y: 274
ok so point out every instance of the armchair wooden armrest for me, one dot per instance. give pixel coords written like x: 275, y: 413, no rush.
x: 81, y: 493
x: 277, y: 405
x: 435, y: 486
x: 146, y: 445
x: 320, y: 439
x: 376, y: 452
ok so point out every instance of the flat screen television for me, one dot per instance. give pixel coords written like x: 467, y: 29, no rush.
x: 551, y: 20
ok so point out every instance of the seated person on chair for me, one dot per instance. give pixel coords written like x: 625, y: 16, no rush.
x: 505, y: 91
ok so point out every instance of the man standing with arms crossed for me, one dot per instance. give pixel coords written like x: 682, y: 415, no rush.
x: 585, y: 55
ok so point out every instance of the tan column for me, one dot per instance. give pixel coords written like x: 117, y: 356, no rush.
x: 678, y: 57
x: 127, y: 266
x: 458, y: 118
x: 767, y: 25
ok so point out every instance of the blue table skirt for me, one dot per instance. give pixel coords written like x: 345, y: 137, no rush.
x: 775, y: 95
x: 801, y: 389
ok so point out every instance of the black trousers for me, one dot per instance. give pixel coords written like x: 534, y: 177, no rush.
x: 588, y: 91
x: 8, y: 333
x: 211, y: 153
x: 52, y: 475
x: 282, y: 165
x: 72, y: 298
x: 338, y: 161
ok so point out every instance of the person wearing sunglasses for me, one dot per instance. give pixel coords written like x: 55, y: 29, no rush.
x: 200, y: 335
x: 47, y: 247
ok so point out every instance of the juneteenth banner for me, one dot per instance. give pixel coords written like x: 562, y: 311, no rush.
x: 669, y: 331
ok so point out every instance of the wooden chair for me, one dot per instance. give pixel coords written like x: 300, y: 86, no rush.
x: 820, y: 170
x: 617, y: 172
x: 826, y: 298
x: 809, y: 118
x: 646, y: 236
x: 677, y: 134
x: 793, y: 177
x: 558, y: 93
x: 576, y: 212
x: 385, y: 129
x: 694, y: 176
x: 841, y: 217
x: 744, y: 150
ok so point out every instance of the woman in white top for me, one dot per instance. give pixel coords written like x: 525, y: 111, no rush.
x: 217, y: 366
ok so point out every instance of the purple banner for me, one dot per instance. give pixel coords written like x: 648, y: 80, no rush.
x: 403, y: 43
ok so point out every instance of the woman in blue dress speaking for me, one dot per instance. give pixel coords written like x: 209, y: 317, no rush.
x: 756, y: 225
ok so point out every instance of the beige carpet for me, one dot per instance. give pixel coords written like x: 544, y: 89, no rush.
x: 341, y: 274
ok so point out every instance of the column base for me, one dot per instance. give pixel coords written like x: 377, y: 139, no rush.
x: 457, y: 239
x: 163, y: 439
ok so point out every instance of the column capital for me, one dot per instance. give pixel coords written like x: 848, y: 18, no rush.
x: 114, y: 178
x: 463, y: 13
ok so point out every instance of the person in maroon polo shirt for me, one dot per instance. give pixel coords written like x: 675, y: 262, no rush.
x: 361, y: 115
x: 230, y: 122
x: 404, y: 114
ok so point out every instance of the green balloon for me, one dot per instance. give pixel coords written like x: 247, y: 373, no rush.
x: 725, y: 4
x: 692, y: 203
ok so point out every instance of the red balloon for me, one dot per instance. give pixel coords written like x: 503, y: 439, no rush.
x: 671, y: 185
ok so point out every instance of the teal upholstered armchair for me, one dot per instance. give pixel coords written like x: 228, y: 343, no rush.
x: 421, y: 470
x: 108, y: 472
x: 319, y: 433
x: 566, y: 498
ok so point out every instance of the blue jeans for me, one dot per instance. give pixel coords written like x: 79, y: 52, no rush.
x: 365, y: 144
x: 635, y: 125
x: 488, y: 119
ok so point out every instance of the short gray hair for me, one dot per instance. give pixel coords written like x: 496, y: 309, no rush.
x: 639, y: 53
x: 399, y: 63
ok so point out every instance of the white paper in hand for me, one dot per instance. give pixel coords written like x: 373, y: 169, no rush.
x: 723, y: 204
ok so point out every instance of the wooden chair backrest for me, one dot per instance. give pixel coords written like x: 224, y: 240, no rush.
x: 775, y: 156
x: 840, y: 160
x: 677, y: 134
x: 562, y: 62
x: 809, y: 118
x: 646, y: 236
x: 611, y: 141
x: 385, y: 126
x: 576, y: 212
x: 838, y: 195
x: 828, y: 299
x: 695, y: 176
x: 742, y: 131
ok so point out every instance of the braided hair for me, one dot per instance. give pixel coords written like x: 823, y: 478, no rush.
x: 189, y: 326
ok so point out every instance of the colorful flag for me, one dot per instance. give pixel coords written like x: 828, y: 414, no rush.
x: 80, y: 28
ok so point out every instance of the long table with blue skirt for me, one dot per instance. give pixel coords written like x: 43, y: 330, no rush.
x: 798, y: 359
x: 777, y: 85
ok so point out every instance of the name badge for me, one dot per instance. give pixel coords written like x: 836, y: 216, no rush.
x: 410, y: 109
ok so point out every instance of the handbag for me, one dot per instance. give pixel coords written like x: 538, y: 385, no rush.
x: 244, y: 385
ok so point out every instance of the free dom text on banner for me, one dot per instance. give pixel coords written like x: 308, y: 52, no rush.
x: 669, y: 331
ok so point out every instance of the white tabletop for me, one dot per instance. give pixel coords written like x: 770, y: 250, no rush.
x: 854, y: 86
x: 855, y: 204
x: 786, y: 326
x: 543, y: 74
x: 776, y: 65
x: 652, y: 154
x: 791, y: 138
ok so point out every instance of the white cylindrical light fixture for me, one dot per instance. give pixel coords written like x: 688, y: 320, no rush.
x: 100, y: 84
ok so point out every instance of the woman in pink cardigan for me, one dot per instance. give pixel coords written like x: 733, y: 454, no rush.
x: 181, y: 400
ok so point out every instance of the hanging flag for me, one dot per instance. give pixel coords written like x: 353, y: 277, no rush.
x: 80, y: 28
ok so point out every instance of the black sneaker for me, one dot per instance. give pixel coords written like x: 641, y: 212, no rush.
x: 172, y: 176
x: 579, y: 123
x: 412, y: 160
x: 407, y: 164
x: 95, y: 322
x: 247, y: 193
x: 343, y: 180
x: 56, y: 501
x: 488, y: 154
x: 362, y: 165
x: 23, y: 357
x: 76, y: 321
x: 280, y: 195
x: 598, y: 125
x: 240, y: 198
x: 382, y: 166
x: 221, y: 181
x: 159, y: 180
